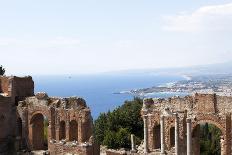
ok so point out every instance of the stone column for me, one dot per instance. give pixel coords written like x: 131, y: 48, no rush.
x: 189, y: 137
x: 67, y: 129
x: 145, y: 135
x: 222, y: 145
x: 162, y: 135
x: 176, y: 134
x: 57, y: 133
x: 133, y: 143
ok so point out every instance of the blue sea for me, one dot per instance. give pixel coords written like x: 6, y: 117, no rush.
x: 99, y: 91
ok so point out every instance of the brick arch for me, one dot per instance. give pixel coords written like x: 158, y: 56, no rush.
x: 196, y: 132
x: 73, y: 130
x: 44, y: 113
x: 62, y: 130
x: 36, y: 131
x: 211, y: 119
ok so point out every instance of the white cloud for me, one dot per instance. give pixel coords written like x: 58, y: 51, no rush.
x: 207, y: 18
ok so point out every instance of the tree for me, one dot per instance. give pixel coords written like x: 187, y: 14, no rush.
x: 100, y: 127
x: 210, y: 140
x: 113, y: 129
x: 2, y: 70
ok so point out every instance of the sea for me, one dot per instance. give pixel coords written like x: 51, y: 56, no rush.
x: 102, y: 91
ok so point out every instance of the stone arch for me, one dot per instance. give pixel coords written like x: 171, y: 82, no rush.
x: 43, y: 112
x: 37, y: 132
x: 156, y: 137
x: 73, y: 130
x: 209, y: 121
x: 196, y: 132
x: 62, y: 131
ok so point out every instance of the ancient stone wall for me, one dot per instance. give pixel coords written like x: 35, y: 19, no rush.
x: 5, y: 123
x: 69, y: 129
x: 22, y: 87
x: 12, y: 90
x: 199, y: 108
x: 4, y: 83
x: 38, y: 122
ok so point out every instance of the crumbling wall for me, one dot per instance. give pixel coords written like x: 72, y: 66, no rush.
x: 200, y: 108
x: 6, y: 124
x: 22, y: 126
x: 9, y: 87
x: 68, y: 115
x: 4, y: 83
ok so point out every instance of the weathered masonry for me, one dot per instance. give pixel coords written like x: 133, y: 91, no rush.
x: 38, y: 122
x: 12, y: 90
x: 172, y: 125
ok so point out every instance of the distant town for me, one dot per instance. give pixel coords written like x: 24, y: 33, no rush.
x: 219, y: 84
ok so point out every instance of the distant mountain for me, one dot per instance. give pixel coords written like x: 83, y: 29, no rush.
x: 211, y: 69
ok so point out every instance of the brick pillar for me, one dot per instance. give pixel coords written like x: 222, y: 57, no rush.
x: 57, y: 133
x: 57, y: 129
x: 79, y: 130
x: 162, y: 135
x: 67, y: 129
x: 176, y: 134
x: 30, y: 136
x: 227, y: 138
x: 189, y: 137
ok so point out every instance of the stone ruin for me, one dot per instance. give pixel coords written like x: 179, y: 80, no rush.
x: 171, y: 126
x: 25, y: 118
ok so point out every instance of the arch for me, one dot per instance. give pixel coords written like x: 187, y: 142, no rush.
x: 38, y: 132
x: 156, y: 137
x: 62, y: 131
x: 204, y: 139
x: 210, y: 121
x: 172, y: 136
x: 73, y: 130
x: 44, y: 113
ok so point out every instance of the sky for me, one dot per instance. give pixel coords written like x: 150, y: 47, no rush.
x: 91, y: 36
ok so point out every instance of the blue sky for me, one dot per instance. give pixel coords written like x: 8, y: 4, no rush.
x: 76, y: 37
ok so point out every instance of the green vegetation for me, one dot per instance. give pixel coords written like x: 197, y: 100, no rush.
x: 2, y: 70
x: 113, y: 129
x: 210, y: 140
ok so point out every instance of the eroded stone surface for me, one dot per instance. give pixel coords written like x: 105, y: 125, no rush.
x: 23, y: 116
x: 200, y: 108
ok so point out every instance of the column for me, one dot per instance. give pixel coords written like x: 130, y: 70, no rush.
x: 162, y: 135
x: 145, y: 135
x: 176, y: 134
x: 57, y: 133
x: 67, y: 129
x: 222, y: 145
x: 133, y: 143
x: 189, y: 137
